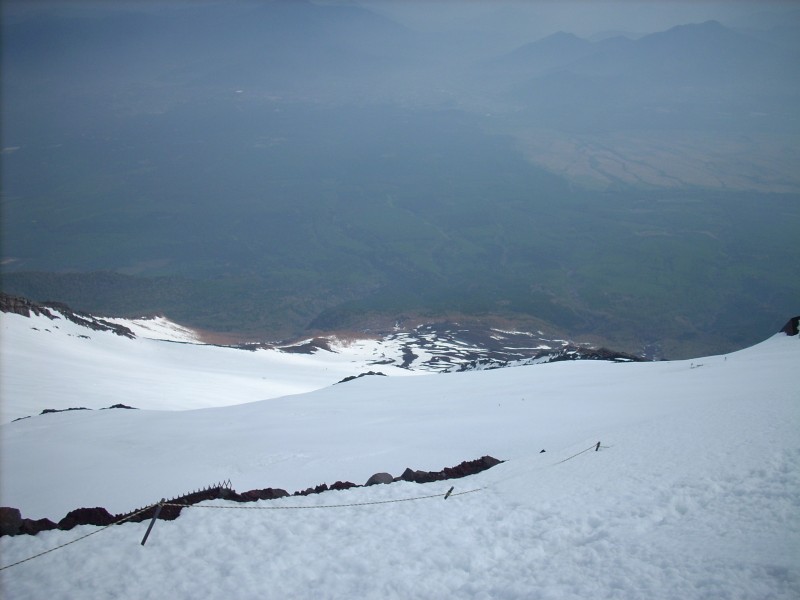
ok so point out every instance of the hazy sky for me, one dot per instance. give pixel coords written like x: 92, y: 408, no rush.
x: 540, y: 17
x: 582, y: 17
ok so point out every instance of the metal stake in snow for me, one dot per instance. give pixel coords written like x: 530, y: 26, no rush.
x: 450, y: 491
x: 153, y: 521
x: 596, y: 448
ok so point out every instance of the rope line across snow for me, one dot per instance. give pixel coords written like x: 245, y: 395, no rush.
x: 596, y: 446
x: 83, y: 537
x: 321, y: 505
x: 178, y: 505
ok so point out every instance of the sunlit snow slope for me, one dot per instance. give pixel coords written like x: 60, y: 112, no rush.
x: 57, y: 364
x: 695, y: 494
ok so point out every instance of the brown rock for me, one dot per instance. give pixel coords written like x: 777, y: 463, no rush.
x: 86, y: 516
x: 10, y: 520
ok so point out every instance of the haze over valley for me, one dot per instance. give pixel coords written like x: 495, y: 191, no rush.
x: 625, y: 173
x: 499, y: 289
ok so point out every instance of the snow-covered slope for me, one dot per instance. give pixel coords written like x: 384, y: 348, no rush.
x: 53, y: 358
x: 696, y: 493
x: 54, y: 363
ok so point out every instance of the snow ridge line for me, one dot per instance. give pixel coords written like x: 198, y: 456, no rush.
x: 83, y: 537
x: 446, y: 495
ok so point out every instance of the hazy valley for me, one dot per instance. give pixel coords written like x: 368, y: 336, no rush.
x: 284, y: 168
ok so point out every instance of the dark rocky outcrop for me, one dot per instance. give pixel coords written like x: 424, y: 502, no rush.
x: 310, y: 347
x: 265, y: 494
x: 22, y: 306
x: 86, y: 516
x: 90, y: 322
x: 12, y: 523
x: 792, y: 326
x: 464, y: 469
x: 10, y: 520
x: 48, y: 411
x: 352, y: 377
x: 26, y: 307
x: 34, y: 526
x: 343, y: 485
x: 322, y: 487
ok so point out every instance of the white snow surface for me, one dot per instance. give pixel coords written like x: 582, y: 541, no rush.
x: 695, y: 494
x: 157, y: 328
x: 58, y: 364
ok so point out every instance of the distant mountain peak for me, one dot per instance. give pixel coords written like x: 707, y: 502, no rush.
x: 703, y: 29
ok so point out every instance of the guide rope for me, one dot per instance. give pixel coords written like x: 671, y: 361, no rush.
x: 175, y: 504
x: 83, y: 537
x: 323, y: 505
x: 595, y: 447
x: 445, y: 495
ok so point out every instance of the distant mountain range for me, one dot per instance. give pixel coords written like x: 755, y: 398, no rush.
x: 702, y: 75
x: 288, y: 168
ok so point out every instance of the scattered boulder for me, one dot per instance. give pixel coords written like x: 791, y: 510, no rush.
x: 10, y: 520
x: 379, y: 478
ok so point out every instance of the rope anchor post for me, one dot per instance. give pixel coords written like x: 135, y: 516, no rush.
x: 153, y: 520
x: 596, y: 448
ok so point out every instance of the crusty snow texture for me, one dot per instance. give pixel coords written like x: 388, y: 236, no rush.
x: 695, y: 494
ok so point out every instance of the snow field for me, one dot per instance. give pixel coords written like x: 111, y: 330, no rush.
x: 157, y: 328
x: 696, y: 494
x: 538, y: 530
x: 167, y: 373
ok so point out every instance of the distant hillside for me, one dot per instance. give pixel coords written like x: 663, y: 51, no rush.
x: 270, y: 170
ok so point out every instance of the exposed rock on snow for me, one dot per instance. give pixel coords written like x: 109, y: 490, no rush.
x: 50, y: 411
x: 792, y: 326
x: 464, y: 469
x: 367, y: 374
x: 715, y: 516
x: 10, y: 520
x: 25, y: 307
x: 86, y: 516
x: 265, y: 494
x: 12, y: 523
x: 22, y: 306
x: 379, y: 478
